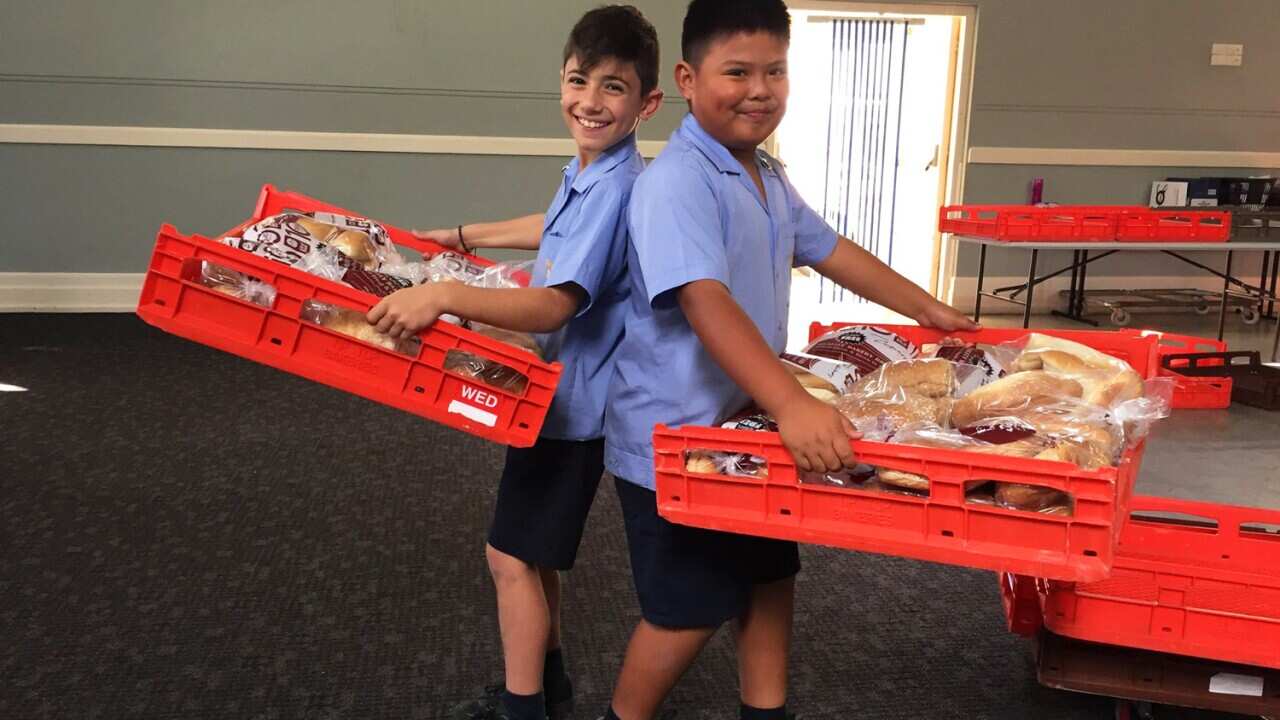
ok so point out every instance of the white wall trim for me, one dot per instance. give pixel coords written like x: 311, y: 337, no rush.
x: 1116, y: 157
x: 136, y: 136
x: 70, y: 292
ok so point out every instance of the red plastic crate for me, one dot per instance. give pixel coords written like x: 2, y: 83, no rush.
x: 1208, y: 590
x: 1192, y: 393
x: 175, y: 301
x: 1084, y: 223
x: 1020, y: 596
x: 1149, y: 225
x: 1028, y: 223
x: 942, y: 527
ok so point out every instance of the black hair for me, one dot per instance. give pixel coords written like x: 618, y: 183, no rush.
x: 619, y: 32
x: 708, y: 20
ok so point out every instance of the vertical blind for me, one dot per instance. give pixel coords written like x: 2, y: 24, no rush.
x: 864, y: 124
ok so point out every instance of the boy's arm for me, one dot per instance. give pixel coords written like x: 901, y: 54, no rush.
x: 522, y: 233
x: 815, y: 432
x: 863, y: 273
x: 538, y: 310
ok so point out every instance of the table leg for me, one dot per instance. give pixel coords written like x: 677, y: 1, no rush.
x: 1275, y: 344
x: 1262, y: 283
x: 1275, y: 268
x: 1084, y: 272
x: 1226, y: 287
x: 982, y: 269
x: 1031, y: 288
x: 1075, y: 280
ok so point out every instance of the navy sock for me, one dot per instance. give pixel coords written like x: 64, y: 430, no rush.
x: 525, y: 707
x: 754, y: 713
x: 555, y: 680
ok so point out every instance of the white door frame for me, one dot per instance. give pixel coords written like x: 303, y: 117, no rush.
x: 960, y: 112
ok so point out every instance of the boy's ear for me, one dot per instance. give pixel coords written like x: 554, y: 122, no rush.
x: 652, y: 103
x: 684, y: 79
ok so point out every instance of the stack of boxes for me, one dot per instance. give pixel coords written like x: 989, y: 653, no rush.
x: 1214, y: 192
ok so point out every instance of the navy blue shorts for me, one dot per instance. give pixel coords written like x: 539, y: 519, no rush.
x: 693, y: 578
x: 543, y: 500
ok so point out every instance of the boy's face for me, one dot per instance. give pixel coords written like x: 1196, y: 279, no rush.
x: 603, y: 105
x: 739, y: 91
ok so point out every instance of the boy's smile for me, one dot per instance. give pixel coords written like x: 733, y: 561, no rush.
x: 602, y: 105
x: 738, y: 91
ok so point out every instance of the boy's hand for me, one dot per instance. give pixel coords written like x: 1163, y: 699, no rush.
x: 816, y: 434
x: 448, y: 237
x: 944, y: 317
x: 404, y: 312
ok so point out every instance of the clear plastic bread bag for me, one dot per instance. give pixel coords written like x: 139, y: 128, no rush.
x: 237, y: 284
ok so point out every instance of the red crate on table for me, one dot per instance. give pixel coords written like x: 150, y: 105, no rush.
x: 1192, y: 393
x: 942, y: 527
x: 1028, y: 223
x: 1190, y: 578
x: 175, y: 301
x: 1146, y: 225
x: 1084, y: 223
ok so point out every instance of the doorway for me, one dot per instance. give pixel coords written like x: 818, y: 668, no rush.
x: 875, y: 125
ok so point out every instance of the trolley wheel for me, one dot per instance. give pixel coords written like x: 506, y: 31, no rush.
x: 1120, y: 316
x: 1201, y: 309
x: 1250, y: 315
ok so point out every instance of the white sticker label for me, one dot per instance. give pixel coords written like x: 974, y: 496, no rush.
x: 1232, y: 684
x: 471, y: 412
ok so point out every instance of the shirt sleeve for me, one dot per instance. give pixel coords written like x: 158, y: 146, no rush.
x: 593, y: 248
x: 815, y: 239
x: 676, y: 228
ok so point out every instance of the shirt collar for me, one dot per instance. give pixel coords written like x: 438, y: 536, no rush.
x: 717, y: 153
x: 608, y: 160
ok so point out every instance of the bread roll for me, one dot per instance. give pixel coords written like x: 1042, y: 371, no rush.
x: 357, y: 246
x: 931, y: 378
x: 899, y: 411
x: 354, y: 325
x: 808, y: 380
x: 1017, y: 392
x: 1039, y: 342
x: 698, y: 461
x: 1029, y: 497
x: 1103, y: 385
x: 902, y: 479
x: 316, y: 229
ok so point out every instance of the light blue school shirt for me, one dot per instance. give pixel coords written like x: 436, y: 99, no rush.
x: 584, y: 241
x: 695, y: 214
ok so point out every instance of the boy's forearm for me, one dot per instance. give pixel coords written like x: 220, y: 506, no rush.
x: 537, y: 310
x: 864, y: 274
x: 734, y: 342
x: 522, y: 233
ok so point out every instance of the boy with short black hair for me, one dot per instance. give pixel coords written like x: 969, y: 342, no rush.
x: 715, y: 231
x: 578, y: 298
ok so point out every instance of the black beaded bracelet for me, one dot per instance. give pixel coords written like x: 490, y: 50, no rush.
x: 462, y: 242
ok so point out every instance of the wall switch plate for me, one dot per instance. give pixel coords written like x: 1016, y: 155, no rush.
x: 1228, y: 54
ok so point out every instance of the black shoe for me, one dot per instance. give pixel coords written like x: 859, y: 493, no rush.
x: 486, y: 707
x: 489, y: 705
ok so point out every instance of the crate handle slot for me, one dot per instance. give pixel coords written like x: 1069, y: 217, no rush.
x: 1197, y: 523
x: 1261, y: 531
x: 1219, y: 359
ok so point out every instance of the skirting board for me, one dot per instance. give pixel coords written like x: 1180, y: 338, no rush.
x: 69, y: 292
x: 118, y: 292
